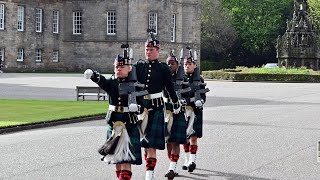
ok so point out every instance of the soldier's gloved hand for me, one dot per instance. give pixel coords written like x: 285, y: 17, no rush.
x: 183, y: 102
x: 88, y: 74
x: 133, y: 107
x: 199, y: 103
x: 176, y: 107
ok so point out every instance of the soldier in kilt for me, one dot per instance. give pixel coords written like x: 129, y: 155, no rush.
x: 194, y: 114
x: 123, y: 146
x: 175, y: 123
x: 157, y: 77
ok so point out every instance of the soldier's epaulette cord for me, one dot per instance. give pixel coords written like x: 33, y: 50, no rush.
x: 141, y: 61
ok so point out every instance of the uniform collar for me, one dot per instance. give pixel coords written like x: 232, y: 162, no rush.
x: 121, y: 79
x: 174, y: 73
x: 189, y: 74
x: 153, y: 61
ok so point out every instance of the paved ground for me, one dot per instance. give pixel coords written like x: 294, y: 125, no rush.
x: 41, y: 86
x: 256, y: 131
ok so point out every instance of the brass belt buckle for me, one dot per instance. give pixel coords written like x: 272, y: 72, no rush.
x: 119, y: 108
x: 147, y: 96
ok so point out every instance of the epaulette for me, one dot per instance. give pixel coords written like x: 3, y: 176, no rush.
x: 141, y: 61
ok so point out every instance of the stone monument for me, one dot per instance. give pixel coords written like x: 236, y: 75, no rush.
x: 300, y: 44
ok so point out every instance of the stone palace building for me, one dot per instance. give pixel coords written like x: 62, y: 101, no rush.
x: 73, y: 35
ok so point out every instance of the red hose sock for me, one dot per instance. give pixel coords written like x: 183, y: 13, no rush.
x: 193, y: 149
x: 118, y: 174
x: 174, y: 157
x: 125, y: 175
x: 150, y: 164
x: 186, y: 147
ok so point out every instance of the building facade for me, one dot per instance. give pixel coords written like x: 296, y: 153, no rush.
x: 73, y: 35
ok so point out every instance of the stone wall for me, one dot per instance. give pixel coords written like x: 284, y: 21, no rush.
x: 94, y: 48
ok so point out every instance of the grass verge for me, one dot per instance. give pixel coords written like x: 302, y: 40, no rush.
x: 20, y: 112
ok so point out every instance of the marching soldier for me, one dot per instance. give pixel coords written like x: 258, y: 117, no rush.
x: 176, y: 123
x: 194, y: 110
x: 123, y: 146
x: 156, y: 76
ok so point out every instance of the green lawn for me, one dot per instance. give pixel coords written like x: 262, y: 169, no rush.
x: 18, y: 112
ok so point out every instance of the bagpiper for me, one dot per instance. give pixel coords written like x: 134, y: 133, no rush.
x: 157, y: 77
x: 123, y: 146
x: 194, y: 110
x: 176, y: 123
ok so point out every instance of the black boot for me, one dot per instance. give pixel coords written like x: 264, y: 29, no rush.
x: 171, y: 174
x: 191, y: 167
x: 184, y: 167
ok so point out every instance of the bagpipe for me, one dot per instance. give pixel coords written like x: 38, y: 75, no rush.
x: 197, y: 90
x: 196, y: 84
x: 179, y: 82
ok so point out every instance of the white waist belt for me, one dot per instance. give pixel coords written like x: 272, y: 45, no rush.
x: 167, y: 100
x: 118, y: 108
x: 153, y: 96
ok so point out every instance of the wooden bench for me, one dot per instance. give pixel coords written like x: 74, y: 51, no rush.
x: 90, y: 91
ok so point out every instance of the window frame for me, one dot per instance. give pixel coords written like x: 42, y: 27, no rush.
x: 173, y: 24
x: 111, y: 23
x: 20, y: 18
x: 153, y: 23
x: 57, y: 56
x: 2, y: 12
x: 2, y: 54
x: 20, y: 55
x: 39, y: 19
x: 77, y: 27
x: 38, y: 55
x: 55, y: 21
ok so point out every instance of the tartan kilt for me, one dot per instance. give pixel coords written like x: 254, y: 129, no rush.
x: 198, y: 123
x: 155, y: 130
x: 178, y: 130
x: 134, y: 135
x: 136, y: 145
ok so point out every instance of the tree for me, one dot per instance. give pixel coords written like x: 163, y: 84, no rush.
x: 258, y: 24
x: 217, y: 33
x: 314, y: 8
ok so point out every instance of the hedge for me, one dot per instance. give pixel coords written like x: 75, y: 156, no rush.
x: 242, y: 76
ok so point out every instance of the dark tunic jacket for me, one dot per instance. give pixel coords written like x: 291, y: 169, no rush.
x: 203, y: 95
x: 157, y: 77
x: 111, y: 87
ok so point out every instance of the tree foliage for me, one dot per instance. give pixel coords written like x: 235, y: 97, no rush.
x: 314, y: 8
x: 257, y: 24
x: 217, y: 34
